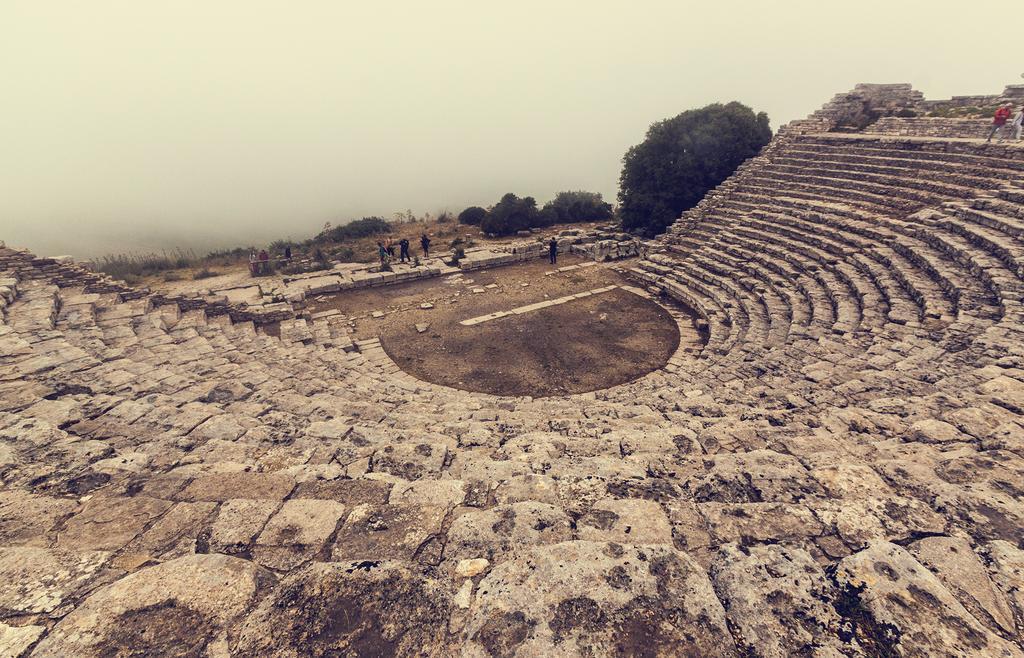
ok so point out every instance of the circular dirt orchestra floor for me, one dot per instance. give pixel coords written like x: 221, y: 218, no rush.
x: 582, y: 345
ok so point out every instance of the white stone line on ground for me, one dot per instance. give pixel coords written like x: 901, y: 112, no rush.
x: 570, y: 268
x: 535, y: 307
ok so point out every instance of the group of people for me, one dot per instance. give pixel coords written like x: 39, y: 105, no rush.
x: 259, y: 263
x: 386, y: 249
x: 1002, y: 123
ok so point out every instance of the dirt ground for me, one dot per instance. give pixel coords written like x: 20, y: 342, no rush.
x: 583, y: 345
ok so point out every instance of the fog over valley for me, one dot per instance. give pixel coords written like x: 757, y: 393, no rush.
x: 141, y: 126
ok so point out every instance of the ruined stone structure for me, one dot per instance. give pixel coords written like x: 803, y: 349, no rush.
x: 838, y: 473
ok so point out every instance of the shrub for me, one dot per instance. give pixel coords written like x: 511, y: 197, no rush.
x: 684, y: 157
x: 444, y: 217
x: 511, y: 214
x: 580, y: 206
x: 278, y: 246
x: 472, y: 216
x: 133, y: 267
x: 230, y: 255
x: 345, y: 254
x: 360, y: 228
x: 204, y: 274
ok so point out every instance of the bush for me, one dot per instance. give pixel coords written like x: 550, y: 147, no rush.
x: 360, y: 228
x: 444, y: 217
x: 511, y: 214
x: 133, y: 267
x: 568, y: 207
x: 278, y: 246
x: 230, y: 255
x: 684, y: 157
x: 345, y: 254
x: 472, y: 216
x: 204, y: 274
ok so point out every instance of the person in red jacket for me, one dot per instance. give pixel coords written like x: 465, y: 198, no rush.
x: 999, y: 120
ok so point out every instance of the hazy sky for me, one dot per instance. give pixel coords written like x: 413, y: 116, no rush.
x: 143, y: 124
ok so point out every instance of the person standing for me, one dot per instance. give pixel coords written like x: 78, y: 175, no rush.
x: 999, y: 120
x: 553, y: 251
x: 1015, y: 124
x: 403, y: 249
x: 425, y: 243
x: 382, y: 252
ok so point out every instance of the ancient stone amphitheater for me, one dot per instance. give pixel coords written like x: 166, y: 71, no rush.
x: 838, y: 472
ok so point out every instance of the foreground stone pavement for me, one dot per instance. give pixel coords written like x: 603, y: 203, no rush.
x: 838, y: 473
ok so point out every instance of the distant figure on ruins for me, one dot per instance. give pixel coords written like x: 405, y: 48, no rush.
x: 1002, y: 115
x: 403, y: 249
x: 1015, y: 125
x: 288, y: 252
x: 553, y: 251
x: 382, y: 252
x: 425, y: 243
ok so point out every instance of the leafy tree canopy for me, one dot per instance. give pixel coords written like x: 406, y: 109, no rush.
x: 578, y: 206
x: 511, y: 214
x: 684, y: 157
x: 472, y: 215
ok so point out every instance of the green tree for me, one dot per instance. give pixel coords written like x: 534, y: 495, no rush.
x: 472, y: 215
x: 684, y: 157
x: 578, y: 207
x: 511, y: 214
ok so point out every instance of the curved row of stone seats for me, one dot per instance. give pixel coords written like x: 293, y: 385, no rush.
x: 924, y: 155
x: 808, y: 259
x: 923, y: 297
x: 777, y: 315
x: 719, y: 324
x: 788, y: 284
x: 888, y: 166
x: 892, y: 243
x: 778, y: 306
x: 902, y: 293
x: 777, y: 267
x: 808, y: 297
